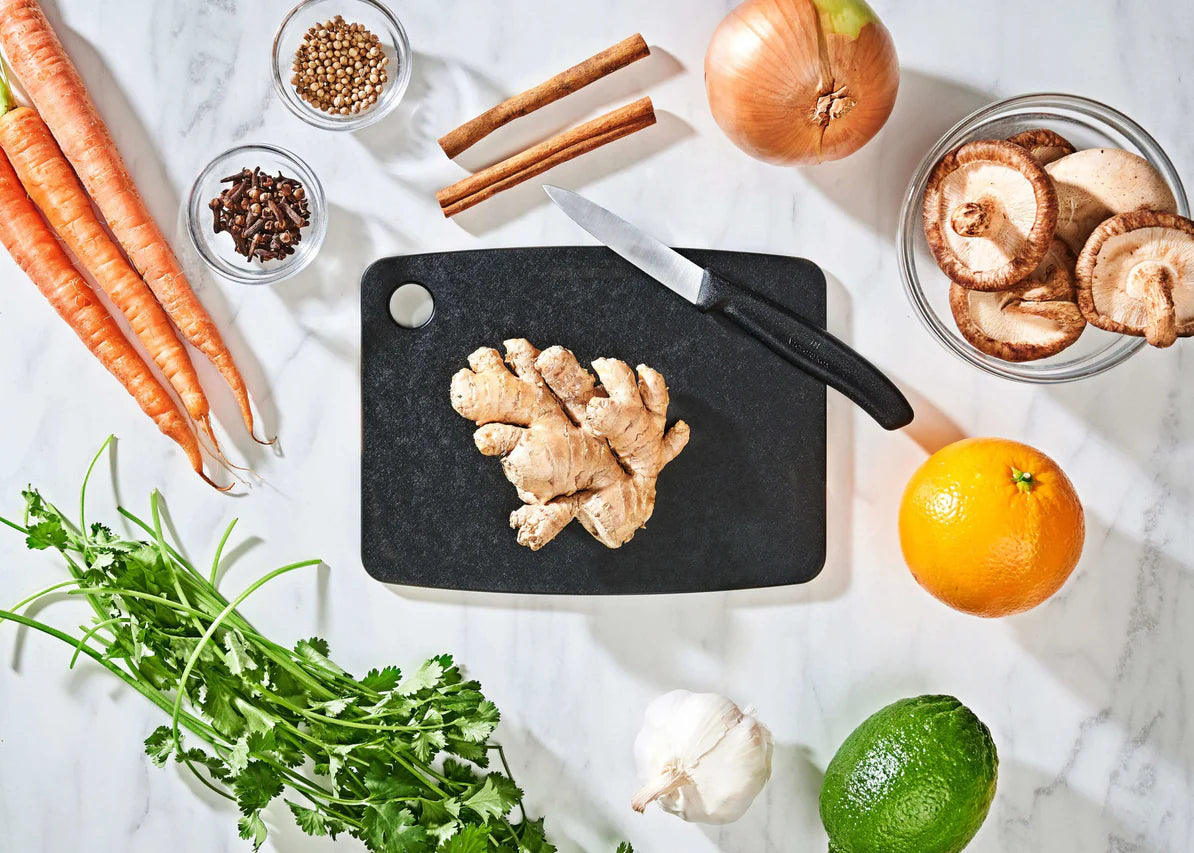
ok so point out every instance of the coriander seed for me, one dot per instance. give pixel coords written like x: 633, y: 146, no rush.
x: 339, y: 68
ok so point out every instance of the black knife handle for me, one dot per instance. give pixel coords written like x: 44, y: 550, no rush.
x: 810, y: 348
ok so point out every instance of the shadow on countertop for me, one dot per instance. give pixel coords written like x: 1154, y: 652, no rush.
x: 1034, y: 811
x: 1116, y: 635
x: 444, y: 93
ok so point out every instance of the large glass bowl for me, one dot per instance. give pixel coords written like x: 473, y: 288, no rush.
x: 217, y: 250
x: 377, y: 19
x: 1085, y: 123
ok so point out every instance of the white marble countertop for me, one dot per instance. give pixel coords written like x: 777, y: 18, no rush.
x: 1089, y: 697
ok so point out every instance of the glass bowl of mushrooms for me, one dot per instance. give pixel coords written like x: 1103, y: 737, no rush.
x: 341, y: 64
x: 1021, y: 240
x: 256, y: 214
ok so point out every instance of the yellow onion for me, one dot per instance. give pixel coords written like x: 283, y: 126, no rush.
x: 801, y: 81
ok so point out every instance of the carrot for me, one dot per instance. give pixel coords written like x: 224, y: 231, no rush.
x: 41, y: 64
x: 35, y: 249
x: 52, y: 185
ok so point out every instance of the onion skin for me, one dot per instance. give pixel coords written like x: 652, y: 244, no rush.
x: 797, y: 82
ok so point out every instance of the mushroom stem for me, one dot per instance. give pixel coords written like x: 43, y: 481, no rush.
x: 974, y: 218
x: 1152, y: 282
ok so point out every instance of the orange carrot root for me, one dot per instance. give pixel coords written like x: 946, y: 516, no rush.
x: 51, y: 183
x: 35, y: 249
x: 40, y: 62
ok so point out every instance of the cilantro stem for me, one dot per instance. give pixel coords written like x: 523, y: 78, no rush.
x: 24, y: 531
x: 215, y: 563
x: 46, y: 591
x: 161, y: 542
x: 278, y: 654
x: 144, y: 596
x: 365, y: 754
x: 91, y: 633
x: 181, y: 692
x: 196, y: 726
x: 506, y: 766
x: 83, y: 489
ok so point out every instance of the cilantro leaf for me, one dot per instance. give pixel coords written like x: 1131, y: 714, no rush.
x: 480, y: 724
x: 252, y: 828
x: 471, y: 839
x: 217, y: 706
x: 388, y: 781
x: 389, y: 828
x: 425, y: 744
x: 214, y: 764
x: 383, y: 680
x: 315, y: 652
x: 255, y: 786
x: 458, y: 772
x: 426, y: 676
x: 46, y: 534
x: 477, y: 753
x: 533, y: 838
x: 259, y: 721
x: 333, y: 707
x: 440, y: 818
x: 238, y: 758
x: 494, y: 798
x: 159, y: 746
x: 625, y: 847
x: 310, y: 821
x: 237, y: 657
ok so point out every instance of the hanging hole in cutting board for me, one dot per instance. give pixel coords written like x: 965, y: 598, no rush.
x: 412, y: 305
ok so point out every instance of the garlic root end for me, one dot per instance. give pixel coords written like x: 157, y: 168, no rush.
x: 661, y: 787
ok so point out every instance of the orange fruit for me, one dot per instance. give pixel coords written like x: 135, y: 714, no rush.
x: 990, y: 526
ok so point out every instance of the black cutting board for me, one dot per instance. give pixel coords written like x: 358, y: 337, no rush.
x: 742, y: 506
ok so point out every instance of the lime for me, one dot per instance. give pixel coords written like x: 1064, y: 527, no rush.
x: 916, y: 777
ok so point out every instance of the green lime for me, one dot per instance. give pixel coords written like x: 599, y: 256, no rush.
x: 916, y: 777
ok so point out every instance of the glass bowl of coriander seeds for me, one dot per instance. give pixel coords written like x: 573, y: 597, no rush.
x: 256, y: 214
x: 341, y: 64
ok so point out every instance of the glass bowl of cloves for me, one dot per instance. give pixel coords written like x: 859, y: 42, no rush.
x: 257, y: 214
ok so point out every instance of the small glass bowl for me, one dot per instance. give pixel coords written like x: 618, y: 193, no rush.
x: 217, y: 249
x: 373, y: 16
x: 1086, y: 124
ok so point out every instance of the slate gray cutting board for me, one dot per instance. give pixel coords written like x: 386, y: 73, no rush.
x: 742, y: 506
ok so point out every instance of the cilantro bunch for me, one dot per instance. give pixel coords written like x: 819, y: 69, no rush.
x: 400, y: 762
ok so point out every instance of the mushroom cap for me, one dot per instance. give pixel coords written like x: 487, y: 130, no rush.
x: 989, y: 214
x: 1136, y: 276
x: 1032, y: 320
x: 1095, y: 184
x: 1043, y: 144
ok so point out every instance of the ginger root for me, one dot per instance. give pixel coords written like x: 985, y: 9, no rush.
x: 573, y: 448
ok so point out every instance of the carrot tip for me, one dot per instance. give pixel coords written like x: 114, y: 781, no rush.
x: 212, y: 483
x: 266, y: 442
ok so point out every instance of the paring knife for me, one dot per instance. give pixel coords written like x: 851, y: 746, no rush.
x: 789, y: 336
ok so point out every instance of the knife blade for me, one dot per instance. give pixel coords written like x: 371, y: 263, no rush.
x: 796, y: 340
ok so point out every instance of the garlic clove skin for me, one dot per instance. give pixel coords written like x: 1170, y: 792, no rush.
x: 701, y: 757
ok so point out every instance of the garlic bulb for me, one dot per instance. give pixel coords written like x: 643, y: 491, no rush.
x: 701, y: 757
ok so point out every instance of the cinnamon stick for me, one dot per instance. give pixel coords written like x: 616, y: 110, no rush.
x: 534, y: 161
x: 578, y: 76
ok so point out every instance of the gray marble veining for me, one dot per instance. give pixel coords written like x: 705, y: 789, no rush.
x: 1088, y: 697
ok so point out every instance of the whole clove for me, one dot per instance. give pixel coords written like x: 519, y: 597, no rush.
x: 264, y: 214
